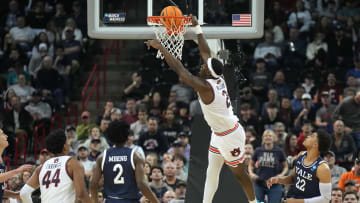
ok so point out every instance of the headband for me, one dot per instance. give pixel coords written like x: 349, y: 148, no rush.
x: 211, y: 69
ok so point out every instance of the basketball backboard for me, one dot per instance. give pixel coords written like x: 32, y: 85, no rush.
x: 220, y: 19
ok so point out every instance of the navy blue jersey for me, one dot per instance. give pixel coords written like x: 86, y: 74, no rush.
x: 306, y: 183
x: 119, y: 174
x: 2, y: 185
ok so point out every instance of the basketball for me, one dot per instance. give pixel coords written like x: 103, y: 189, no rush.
x: 172, y: 24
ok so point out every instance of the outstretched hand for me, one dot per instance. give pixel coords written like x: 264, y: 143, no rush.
x: 25, y: 167
x: 153, y: 43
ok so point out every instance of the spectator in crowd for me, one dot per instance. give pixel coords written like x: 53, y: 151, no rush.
x: 183, y: 92
x: 38, y: 16
x: 9, y: 19
x: 279, y: 84
x: 72, y: 47
x: 101, y: 196
x: 35, y: 63
x: 273, y: 97
x: 300, y: 18
x: 349, y: 111
x: 130, y: 143
x: 157, y: 184
x: 170, y: 175
x: 22, y: 89
x: 181, y: 170
x: 343, y: 146
x: 104, y: 124
x: 156, y: 105
x: 78, y: 36
x: 247, y: 119
x: 267, y: 161
x: 94, y: 133
x: 43, y: 156
x: 180, y: 190
x: 70, y: 132
x: 16, y: 122
x: 95, y: 151
x: 306, y: 130
x: 115, y: 114
x: 22, y: 34
x: 350, y: 175
x: 170, y: 128
x: 252, y: 138
x: 153, y: 140
x: 83, y: 153
x: 147, y: 171
x: 49, y: 81
x: 168, y: 196
x: 137, y: 89
x: 350, y: 186
x: 140, y: 125
x: 309, y: 85
x: 152, y: 158
x: 340, y: 47
x: 351, y: 197
x: 332, y: 87
x: 60, y: 15
x: 355, y: 71
x: 275, y: 29
x: 351, y: 83
x: 109, y: 105
x: 286, y: 113
x: 79, y: 15
x: 280, y: 134
x: 313, y: 47
x: 42, y: 38
x: 291, y: 147
x: 130, y: 115
x: 171, y: 103
x: 324, y: 114
x: 268, y: 51
x: 336, y: 171
x: 308, y: 112
x: 336, y: 195
x: 40, y: 111
x: 82, y: 130
x: 271, y: 117
x: 247, y: 96
x: 296, y: 103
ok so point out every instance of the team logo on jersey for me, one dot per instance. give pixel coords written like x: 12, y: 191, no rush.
x: 218, y: 81
x: 56, y: 160
x: 235, y: 152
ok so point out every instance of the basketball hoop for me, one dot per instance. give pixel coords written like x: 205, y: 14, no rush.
x: 170, y: 30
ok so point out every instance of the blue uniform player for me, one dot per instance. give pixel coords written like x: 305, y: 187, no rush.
x: 4, y: 176
x: 122, y: 168
x: 310, y: 179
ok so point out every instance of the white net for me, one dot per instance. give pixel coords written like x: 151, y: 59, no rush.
x: 170, y: 36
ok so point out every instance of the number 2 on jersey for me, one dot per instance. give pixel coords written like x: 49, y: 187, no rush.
x: 55, y: 178
x: 224, y: 93
x: 118, y: 179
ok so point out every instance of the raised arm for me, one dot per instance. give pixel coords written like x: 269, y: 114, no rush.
x: 30, y: 186
x: 203, y: 46
x: 94, y: 182
x: 195, y: 82
x: 140, y: 180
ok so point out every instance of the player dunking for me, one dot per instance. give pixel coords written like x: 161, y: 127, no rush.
x: 61, y: 178
x: 122, y: 168
x: 228, y: 136
x: 311, y: 172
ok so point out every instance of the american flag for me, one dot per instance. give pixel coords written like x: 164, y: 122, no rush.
x: 241, y: 20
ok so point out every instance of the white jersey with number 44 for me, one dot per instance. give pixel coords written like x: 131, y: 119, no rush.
x: 56, y: 185
x: 219, y: 113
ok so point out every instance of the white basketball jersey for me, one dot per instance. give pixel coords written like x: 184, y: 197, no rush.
x: 219, y: 113
x: 55, y: 183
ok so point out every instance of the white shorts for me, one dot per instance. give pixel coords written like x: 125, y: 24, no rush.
x: 230, y: 145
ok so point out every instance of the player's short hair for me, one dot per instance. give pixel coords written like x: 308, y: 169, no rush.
x: 324, y: 141
x: 217, y: 66
x: 55, y: 141
x: 157, y: 167
x: 118, y: 132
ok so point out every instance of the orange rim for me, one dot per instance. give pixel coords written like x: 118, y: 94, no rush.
x: 157, y: 19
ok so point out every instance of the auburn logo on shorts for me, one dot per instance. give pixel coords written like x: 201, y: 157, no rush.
x: 235, y: 152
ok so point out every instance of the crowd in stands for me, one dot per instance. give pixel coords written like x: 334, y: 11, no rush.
x: 302, y: 76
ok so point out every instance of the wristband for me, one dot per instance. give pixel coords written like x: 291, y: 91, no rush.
x: 198, y: 30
